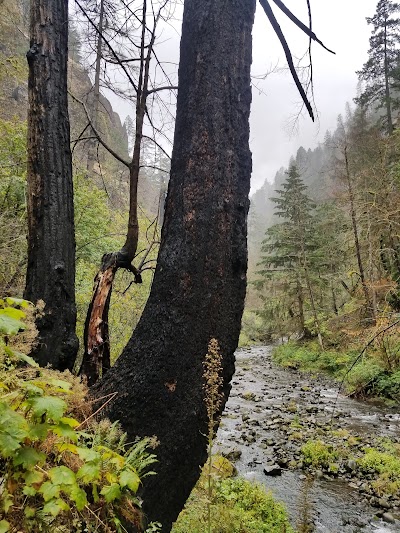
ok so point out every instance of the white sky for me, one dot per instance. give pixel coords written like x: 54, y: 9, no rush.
x: 341, y: 26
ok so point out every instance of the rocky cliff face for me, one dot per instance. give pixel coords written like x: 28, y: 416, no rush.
x: 109, y: 173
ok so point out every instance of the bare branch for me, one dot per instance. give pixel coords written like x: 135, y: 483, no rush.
x: 288, y: 54
x: 101, y: 141
x: 166, y: 88
x: 158, y: 145
x: 299, y: 24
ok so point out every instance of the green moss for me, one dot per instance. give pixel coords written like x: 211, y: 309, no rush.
x: 238, y: 507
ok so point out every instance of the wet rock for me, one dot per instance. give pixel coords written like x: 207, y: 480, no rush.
x: 351, y: 465
x: 388, y: 517
x: 383, y: 503
x: 233, y: 455
x: 249, y: 396
x: 272, y: 470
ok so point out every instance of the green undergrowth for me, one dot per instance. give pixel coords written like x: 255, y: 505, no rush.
x: 378, y: 464
x: 368, y: 375
x: 61, y: 470
x: 237, y: 506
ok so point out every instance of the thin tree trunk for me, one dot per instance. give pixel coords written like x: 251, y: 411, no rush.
x: 313, y: 307
x: 96, y: 93
x: 356, y: 239
x: 300, y: 301
x: 200, y: 281
x: 96, y: 337
x: 51, y: 242
x: 387, y: 89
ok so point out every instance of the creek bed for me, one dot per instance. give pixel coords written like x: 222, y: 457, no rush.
x: 264, y: 401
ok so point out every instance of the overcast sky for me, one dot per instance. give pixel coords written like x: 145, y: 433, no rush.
x: 341, y: 26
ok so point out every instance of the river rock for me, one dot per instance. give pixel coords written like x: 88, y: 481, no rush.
x: 351, y: 465
x: 233, y: 455
x: 388, y: 517
x: 272, y: 470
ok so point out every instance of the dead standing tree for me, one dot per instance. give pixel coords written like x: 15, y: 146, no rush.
x: 96, y: 360
x: 200, y: 280
x: 51, y: 243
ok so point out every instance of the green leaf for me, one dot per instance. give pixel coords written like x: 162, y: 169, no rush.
x: 33, y: 477
x: 29, y: 491
x: 13, y: 430
x: 29, y: 512
x: 70, y: 421
x: 89, y: 472
x: 78, y: 495
x: 39, y: 431
x: 64, y: 430
x: 8, y: 444
x: 60, y: 384
x: 26, y: 358
x: 111, y: 492
x: 7, y: 501
x: 88, y: 455
x: 129, y: 478
x: 32, y: 390
x: 67, y: 447
x: 54, y: 507
x: 49, y: 490
x: 28, y: 458
x: 54, y: 408
x: 62, y: 475
x: 4, y: 526
x: 20, y: 302
x: 9, y: 325
x: 13, y: 313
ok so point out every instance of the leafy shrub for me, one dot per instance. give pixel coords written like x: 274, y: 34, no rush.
x: 60, y: 470
x: 387, y: 466
x: 318, y: 454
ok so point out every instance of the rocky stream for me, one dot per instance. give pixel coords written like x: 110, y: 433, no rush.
x: 272, y: 411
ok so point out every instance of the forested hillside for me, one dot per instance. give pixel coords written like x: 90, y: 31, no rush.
x: 101, y: 196
x: 325, y: 234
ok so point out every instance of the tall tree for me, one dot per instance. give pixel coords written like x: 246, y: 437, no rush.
x: 51, y: 243
x: 381, y: 72
x: 200, y: 281
x: 288, y: 245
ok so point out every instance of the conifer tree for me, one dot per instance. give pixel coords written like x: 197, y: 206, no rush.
x: 381, y: 72
x: 287, y: 245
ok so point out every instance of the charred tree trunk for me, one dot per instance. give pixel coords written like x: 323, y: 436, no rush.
x: 200, y: 281
x: 51, y: 242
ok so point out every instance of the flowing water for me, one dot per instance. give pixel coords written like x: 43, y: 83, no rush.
x: 255, y: 426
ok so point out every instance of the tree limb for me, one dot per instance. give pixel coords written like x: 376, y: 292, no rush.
x: 166, y: 88
x: 299, y: 24
x: 101, y: 141
x: 274, y: 23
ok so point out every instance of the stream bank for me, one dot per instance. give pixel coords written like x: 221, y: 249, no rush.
x: 272, y: 412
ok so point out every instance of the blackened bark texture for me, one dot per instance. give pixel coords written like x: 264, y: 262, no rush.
x: 200, y: 281
x: 51, y: 240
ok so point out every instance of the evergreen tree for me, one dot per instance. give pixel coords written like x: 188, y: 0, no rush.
x: 287, y: 245
x: 381, y: 73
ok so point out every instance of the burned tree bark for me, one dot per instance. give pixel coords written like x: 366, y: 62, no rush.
x: 51, y: 242
x: 200, y: 281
